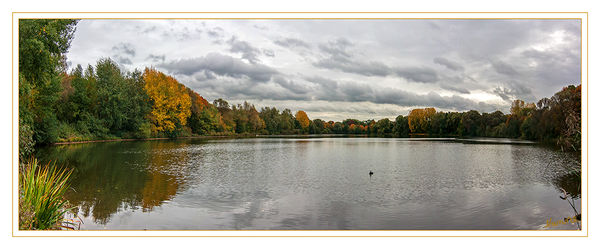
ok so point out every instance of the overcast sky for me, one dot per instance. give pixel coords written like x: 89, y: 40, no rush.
x: 338, y: 69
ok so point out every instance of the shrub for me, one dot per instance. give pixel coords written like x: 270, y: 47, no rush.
x: 26, y: 142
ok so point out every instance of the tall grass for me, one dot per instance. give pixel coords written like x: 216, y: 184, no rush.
x: 41, y: 202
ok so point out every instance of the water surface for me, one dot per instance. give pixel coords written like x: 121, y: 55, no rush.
x: 316, y: 183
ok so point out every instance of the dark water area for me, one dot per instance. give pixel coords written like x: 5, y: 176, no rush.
x: 318, y: 184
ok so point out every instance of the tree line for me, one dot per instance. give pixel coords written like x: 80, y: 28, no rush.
x: 104, y: 102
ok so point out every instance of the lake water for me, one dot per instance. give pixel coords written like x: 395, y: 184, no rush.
x: 316, y: 184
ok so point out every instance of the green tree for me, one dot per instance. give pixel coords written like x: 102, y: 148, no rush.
x: 384, y: 126
x: 401, y: 126
x: 469, y: 123
x: 42, y: 45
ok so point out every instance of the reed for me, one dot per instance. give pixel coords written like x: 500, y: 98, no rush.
x: 41, y: 202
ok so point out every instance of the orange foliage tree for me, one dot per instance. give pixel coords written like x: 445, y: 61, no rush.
x: 302, y: 119
x: 170, y: 101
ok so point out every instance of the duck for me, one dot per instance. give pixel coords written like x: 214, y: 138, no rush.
x: 370, y: 173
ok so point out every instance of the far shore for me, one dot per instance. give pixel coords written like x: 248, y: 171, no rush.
x: 420, y: 137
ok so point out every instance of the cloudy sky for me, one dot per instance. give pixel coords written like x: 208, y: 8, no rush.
x: 338, y: 69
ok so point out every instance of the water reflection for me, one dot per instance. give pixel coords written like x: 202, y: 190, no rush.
x: 109, y: 177
x: 317, y: 183
x: 570, y: 184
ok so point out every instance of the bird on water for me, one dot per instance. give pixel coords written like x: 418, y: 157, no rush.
x: 370, y: 173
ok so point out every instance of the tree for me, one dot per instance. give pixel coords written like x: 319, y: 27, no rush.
x: 302, y: 118
x: 401, y: 126
x: 247, y: 119
x: 42, y: 45
x: 419, y: 119
x: 170, y: 101
x: 226, y: 123
x: 318, y: 127
x: 469, y: 123
x: 384, y: 126
x: 566, y: 106
x: 114, y: 102
x: 204, y: 117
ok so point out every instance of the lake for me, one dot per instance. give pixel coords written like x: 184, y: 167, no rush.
x: 317, y: 184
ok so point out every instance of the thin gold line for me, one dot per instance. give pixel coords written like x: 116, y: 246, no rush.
x: 336, y: 236
x: 307, y: 18
x: 12, y: 126
x: 68, y: 12
x: 587, y: 126
x: 324, y: 230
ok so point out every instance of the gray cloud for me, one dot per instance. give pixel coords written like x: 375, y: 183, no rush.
x: 294, y: 87
x: 261, y: 27
x: 504, y: 68
x: 362, y: 68
x: 124, y: 48
x: 555, y: 68
x: 324, y: 89
x: 323, y: 82
x: 123, y: 53
x: 337, y: 48
x: 268, y: 52
x: 248, y: 51
x: 374, y: 68
x: 417, y: 74
x: 156, y: 58
x: 455, y: 88
x: 123, y: 60
x: 222, y: 65
x: 452, y: 65
x: 292, y: 43
x: 339, y: 58
x: 216, y: 34
x: 513, y: 90
x: 148, y: 29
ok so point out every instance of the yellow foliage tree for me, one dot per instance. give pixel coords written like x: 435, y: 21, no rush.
x: 302, y: 119
x: 418, y: 119
x: 170, y: 101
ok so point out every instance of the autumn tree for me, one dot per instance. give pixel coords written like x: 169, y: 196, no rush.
x: 419, y: 119
x: 302, y: 118
x: 170, y: 101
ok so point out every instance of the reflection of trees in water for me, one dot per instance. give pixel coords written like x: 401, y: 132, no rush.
x: 570, y: 185
x: 569, y: 180
x: 113, y: 177
x: 549, y: 166
x: 166, y: 169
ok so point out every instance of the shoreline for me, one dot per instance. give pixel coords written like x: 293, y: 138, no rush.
x: 473, y: 140
x: 146, y: 139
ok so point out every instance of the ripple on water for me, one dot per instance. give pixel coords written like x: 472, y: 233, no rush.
x: 316, y: 183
